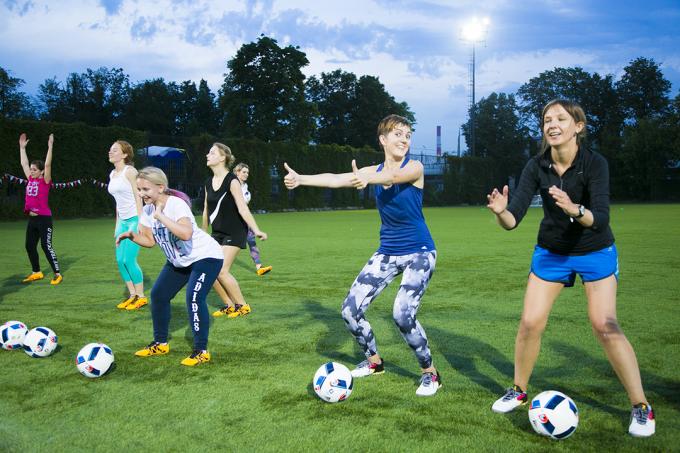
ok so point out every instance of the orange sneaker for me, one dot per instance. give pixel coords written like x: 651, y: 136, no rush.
x: 263, y: 270
x: 224, y: 311
x: 33, y: 277
x: 123, y: 305
x: 56, y: 280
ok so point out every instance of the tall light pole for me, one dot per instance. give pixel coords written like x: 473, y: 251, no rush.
x: 474, y: 32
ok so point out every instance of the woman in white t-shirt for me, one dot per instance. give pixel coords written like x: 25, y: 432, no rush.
x: 123, y: 188
x: 194, y: 259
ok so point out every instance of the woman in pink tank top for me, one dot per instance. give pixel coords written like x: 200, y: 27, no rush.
x: 39, y: 228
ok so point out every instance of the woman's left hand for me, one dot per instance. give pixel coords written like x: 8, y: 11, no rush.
x: 158, y: 212
x: 358, y: 180
x: 260, y: 235
x: 563, y: 201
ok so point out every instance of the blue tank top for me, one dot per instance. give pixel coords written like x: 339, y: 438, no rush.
x: 403, y: 230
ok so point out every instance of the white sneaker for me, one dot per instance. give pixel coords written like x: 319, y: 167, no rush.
x: 367, y: 368
x: 514, y: 397
x: 429, y: 384
x: 642, y: 423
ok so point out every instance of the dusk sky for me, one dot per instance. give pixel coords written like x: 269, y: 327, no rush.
x: 414, y: 47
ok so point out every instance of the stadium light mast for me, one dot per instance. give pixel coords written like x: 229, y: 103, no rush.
x: 474, y: 32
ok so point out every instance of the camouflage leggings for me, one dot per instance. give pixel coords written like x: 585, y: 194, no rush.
x: 373, y: 278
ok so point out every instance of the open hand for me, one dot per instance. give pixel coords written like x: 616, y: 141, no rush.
x: 23, y: 141
x: 563, y: 201
x: 498, y: 201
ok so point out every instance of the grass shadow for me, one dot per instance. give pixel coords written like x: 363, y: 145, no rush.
x: 337, y: 334
x: 12, y: 283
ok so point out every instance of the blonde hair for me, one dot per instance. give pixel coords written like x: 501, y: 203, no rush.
x: 154, y: 175
x: 127, y: 150
x: 574, y: 110
x: 226, y: 152
x: 240, y: 166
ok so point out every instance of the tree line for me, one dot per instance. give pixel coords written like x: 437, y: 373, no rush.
x: 633, y: 121
x: 264, y: 96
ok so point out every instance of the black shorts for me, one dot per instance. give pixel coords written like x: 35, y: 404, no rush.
x: 235, y: 240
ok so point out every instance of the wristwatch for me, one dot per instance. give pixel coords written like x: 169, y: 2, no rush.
x: 581, y: 212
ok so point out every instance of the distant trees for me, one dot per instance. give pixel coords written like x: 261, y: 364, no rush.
x: 13, y: 103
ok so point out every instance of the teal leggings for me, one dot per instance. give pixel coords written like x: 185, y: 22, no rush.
x: 127, y: 251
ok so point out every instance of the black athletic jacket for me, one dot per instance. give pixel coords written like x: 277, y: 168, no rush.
x: 587, y: 183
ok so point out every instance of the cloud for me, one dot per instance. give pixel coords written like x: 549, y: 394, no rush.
x: 111, y: 6
x: 143, y: 28
x: 21, y: 8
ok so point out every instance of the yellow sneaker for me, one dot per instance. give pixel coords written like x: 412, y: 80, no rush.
x: 154, y: 348
x: 224, y: 311
x: 240, y: 311
x: 137, y: 304
x: 123, y: 305
x: 33, y: 277
x: 56, y: 280
x: 197, y: 357
x: 263, y: 270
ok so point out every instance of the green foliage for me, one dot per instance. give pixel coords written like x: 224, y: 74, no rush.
x: 13, y: 103
x: 80, y: 153
x: 256, y: 393
x: 468, y: 180
x: 263, y: 95
x: 643, y: 90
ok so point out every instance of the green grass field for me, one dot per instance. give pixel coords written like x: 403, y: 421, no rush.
x: 256, y: 394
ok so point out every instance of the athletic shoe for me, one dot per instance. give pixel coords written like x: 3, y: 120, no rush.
x: 367, y: 368
x: 513, y: 398
x: 33, y: 277
x: 241, y: 310
x: 227, y: 310
x: 123, y: 305
x: 263, y: 270
x: 197, y: 357
x: 642, y: 423
x: 56, y: 280
x: 429, y: 384
x: 154, y: 348
x: 137, y: 304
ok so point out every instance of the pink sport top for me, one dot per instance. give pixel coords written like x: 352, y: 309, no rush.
x: 37, y: 192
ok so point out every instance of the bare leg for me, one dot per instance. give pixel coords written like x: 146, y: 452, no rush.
x: 538, y: 301
x: 227, y: 280
x: 602, y: 313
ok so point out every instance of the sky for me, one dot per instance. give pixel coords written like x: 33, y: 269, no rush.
x: 415, y: 48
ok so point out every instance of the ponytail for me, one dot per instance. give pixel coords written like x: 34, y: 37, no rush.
x: 179, y: 194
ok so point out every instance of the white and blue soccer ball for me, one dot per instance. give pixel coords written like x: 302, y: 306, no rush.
x: 40, y: 342
x: 553, y: 414
x: 12, y: 335
x: 333, y: 382
x: 94, y: 360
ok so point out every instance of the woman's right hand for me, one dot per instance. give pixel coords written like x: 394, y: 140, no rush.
x: 498, y: 201
x: 23, y: 141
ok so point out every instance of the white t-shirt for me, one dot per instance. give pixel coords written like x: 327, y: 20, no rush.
x: 123, y: 193
x: 180, y: 253
x: 246, y: 193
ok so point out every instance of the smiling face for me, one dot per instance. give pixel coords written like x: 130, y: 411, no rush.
x: 559, y: 127
x: 243, y: 174
x: 148, y: 191
x: 397, y: 141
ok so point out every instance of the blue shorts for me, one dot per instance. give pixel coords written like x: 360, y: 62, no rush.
x: 592, y: 266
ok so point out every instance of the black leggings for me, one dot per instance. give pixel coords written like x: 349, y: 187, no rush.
x: 40, y: 228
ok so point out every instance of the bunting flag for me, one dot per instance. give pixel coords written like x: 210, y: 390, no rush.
x: 56, y: 185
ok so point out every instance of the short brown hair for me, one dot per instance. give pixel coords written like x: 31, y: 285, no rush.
x: 240, y: 166
x: 226, y: 152
x: 390, y: 122
x: 574, y: 110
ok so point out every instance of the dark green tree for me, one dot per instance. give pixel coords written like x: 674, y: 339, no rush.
x: 500, y: 137
x: 152, y: 107
x: 334, y: 94
x: 263, y: 95
x: 643, y: 90
x: 14, y: 103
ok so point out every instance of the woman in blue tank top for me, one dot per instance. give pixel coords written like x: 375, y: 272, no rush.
x: 406, y: 247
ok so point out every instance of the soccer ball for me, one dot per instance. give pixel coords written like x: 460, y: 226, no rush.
x: 553, y: 414
x: 94, y: 360
x: 333, y: 382
x: 12, y: 335
x: 40, y: 342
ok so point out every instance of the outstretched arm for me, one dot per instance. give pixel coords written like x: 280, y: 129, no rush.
x: 333, y: 180
x: 48, y: 160
x: 411, y: 173
x: 23, y: 141
x: 498, y: 202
